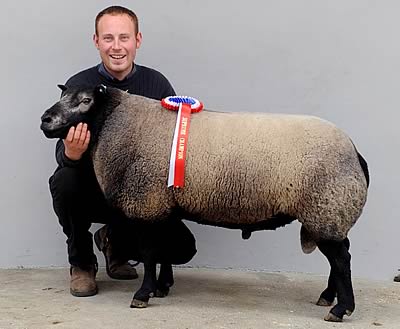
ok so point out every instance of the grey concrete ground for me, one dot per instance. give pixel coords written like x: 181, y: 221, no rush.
x: 201, y: 298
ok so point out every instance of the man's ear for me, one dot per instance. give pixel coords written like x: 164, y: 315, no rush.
x: 62, y: 87
x: 96, y: 41
x: 138, y: 40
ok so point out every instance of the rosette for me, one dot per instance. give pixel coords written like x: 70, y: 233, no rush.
x: 185, y: 105
x: 173, y: 103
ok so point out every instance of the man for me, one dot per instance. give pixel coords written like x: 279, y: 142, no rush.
x: 77, y: 199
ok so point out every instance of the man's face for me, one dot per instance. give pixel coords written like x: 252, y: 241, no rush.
x: 117, y: 42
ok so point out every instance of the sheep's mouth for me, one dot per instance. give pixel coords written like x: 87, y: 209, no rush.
x: 49, y: 132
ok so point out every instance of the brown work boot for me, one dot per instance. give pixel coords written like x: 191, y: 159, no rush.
x: 83, y: 283
x: 116, y: 269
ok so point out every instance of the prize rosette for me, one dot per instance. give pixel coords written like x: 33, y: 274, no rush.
x: 185, y: 105
x: 174, y: 102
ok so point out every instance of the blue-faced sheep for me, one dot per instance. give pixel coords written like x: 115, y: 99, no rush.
x: 250, y: 171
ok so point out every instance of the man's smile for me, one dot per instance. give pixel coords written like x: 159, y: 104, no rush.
x: 117, y: 56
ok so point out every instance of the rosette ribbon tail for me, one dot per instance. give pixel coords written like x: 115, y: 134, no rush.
x: 176, y: 176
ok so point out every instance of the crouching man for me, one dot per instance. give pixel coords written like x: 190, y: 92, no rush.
x: 77, y: 199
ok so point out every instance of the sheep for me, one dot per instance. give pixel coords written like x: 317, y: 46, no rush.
x: 248, y: 171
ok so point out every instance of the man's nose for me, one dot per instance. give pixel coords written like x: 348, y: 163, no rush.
x: 116, y: 44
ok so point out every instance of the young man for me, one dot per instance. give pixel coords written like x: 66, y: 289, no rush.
x: 77, y: 199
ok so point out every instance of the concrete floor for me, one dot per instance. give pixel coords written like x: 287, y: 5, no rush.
x: 201, y: 298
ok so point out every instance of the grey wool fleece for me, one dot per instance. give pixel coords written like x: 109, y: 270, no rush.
x: 241, y: 168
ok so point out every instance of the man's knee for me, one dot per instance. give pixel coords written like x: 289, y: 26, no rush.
x: 181, y: 248
x: 186, y: 252
x: 64, y: 184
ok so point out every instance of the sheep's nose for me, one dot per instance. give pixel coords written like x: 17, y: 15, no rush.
x: 46, y: 118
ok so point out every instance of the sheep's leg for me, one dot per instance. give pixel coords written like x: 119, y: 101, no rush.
x: 339, y: 258
x: 165, y: 280
x: 328, y: 295
x: 148, y: 288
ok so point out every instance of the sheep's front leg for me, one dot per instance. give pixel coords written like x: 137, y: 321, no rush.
x: 148, y: 288
x: 165, y: 280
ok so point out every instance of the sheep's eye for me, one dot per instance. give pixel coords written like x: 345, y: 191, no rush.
x: 86, y: 101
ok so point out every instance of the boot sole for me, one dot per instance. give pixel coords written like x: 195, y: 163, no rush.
x: 83, y: 293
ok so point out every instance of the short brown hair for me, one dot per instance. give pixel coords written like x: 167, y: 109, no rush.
x: 117, y: 10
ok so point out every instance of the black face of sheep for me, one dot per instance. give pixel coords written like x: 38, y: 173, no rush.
x: 76, y: 105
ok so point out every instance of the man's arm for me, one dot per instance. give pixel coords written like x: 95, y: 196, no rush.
x: 169, y: 91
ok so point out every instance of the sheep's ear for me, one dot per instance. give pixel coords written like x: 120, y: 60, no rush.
x: 101, y: 89
x: 62, y: 87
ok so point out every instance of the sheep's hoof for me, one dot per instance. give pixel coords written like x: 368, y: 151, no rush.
x: 323, y: 302
x: 348, y: 313
x: 136, y: 303
x: 162, y: 292
x: 332, y: 318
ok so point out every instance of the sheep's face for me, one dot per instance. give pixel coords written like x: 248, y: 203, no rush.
x: 74, y: 106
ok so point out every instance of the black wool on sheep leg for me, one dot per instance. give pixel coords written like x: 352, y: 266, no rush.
x: 165, y: 280
x: 339, y: 258
x: 148, y: 288
x: 328, y: 295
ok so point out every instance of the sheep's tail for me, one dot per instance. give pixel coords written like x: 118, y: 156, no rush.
x: 308, y: 244
x: 363, y: 164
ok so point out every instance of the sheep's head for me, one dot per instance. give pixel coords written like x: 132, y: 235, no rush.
x: 76, y: 105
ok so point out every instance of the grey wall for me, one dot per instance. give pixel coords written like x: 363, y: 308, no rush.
x: 336, y: 59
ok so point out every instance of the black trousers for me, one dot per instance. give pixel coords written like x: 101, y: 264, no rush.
x: 78, y: 202
x: 166, y: 242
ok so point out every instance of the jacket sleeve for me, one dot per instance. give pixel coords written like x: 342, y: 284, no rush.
x: 165, y: 88
x: 61, y: 158
x: 169, y: 91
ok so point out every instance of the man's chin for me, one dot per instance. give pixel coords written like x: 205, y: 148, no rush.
x: 118, y: 66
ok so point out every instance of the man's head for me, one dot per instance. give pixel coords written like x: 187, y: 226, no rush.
x: 117, y: 37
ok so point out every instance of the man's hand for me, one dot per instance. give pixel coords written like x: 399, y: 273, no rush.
x: 77, y: 141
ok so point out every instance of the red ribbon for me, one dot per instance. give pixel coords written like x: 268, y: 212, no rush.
x: 181, y: 146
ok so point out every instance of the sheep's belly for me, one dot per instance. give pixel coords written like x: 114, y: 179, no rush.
x: 271, y: 223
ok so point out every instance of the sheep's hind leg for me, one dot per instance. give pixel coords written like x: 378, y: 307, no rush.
x: 339, y: 280
x: 165, y: 280
x: 148, y: 288
x: 328, y: 295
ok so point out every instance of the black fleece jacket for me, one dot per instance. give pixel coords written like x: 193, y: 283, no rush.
x: 144, y: 82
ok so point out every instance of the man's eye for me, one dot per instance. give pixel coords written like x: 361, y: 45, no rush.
x: 124, y: 38
x: 86, y: 101
x: 107, y: 39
